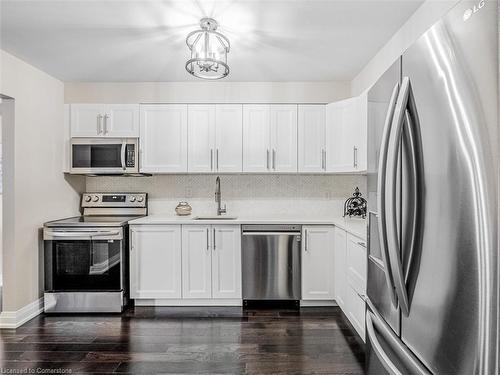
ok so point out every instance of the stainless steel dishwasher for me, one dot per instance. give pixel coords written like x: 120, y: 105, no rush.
x: 271, y: 262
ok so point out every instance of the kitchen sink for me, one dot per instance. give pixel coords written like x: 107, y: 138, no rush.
x: 215, y: 218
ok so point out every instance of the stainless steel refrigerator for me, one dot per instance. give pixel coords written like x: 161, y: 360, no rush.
x: 432, y: 289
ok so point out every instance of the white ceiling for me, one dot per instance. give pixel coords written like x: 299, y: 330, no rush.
x: 271, y: 40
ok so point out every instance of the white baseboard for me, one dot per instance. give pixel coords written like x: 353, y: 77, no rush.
x: 317, y: 303
x: 15, y: 319
x: 188, y: 302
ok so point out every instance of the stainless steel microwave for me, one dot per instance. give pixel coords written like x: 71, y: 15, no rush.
x: 104, y: 156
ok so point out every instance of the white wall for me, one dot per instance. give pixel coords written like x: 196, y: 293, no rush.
x: 35, y: 189
x: 424, y: 17
x: 205, y: 92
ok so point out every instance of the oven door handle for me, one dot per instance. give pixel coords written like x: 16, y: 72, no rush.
x: 82, y: 234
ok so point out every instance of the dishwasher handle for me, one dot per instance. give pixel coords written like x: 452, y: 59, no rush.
x: 270, y: 234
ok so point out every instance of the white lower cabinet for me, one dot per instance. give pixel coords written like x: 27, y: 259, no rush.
x: 318, y: 263
x: 191, y: 262
x: 226, y: 261
x: 340, y: 246
x: 350, y: 277
x: 211, y: 261
x: 155, y: 258
x: 196, y: 262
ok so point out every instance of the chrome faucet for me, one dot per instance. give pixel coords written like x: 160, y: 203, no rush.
x: 220, y: 210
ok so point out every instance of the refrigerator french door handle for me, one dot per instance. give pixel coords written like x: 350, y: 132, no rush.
x: 410, y: 134
x: 382, y: 163
x: 377, y: 348
x: 392, y: 165
x: 375, y: 323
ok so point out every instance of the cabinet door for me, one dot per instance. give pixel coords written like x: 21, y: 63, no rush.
x: 355, y: 308
x: 311, y: 149
x: 87, y: 120
x: 256, y: 138
x: 339, y: 145
x: 121, y: 120
x: 284, y: 138
x: 155, y: 262
x: 226, y: 261
x: 340, y: 245
x: 360, y: 139
x: 196, y: 262
x: 229, y: 138
x: 163, y: 138
x: 318, y: 263
x: 201, y: 138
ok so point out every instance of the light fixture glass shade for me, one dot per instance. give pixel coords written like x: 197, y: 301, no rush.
x: 209, y: 50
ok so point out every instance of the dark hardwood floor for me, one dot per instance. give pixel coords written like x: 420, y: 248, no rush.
x: 166, y: 340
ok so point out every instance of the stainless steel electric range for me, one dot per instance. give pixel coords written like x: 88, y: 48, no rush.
x: 86, y: 257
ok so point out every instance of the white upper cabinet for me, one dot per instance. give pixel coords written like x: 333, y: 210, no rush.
x: 196, y: 261
x: 201, y: 138
x: 269, y: 138
x: 163, y: 141
x: 87, y: 120
x: 104, y: 120
x: 121, y: 120
x: 361, y: 134
x: 311, y: 145
x: 228, y: 138
x: 318, y: 263
x: 346, y: 135
x: 256, y: 138
x: 284, y: 138
x: 226, y: 261
x: 155, y: 258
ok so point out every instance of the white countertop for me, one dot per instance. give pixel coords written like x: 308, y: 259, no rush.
x: 356, y: 226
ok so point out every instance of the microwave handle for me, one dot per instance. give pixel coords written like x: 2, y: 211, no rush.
x: 124, y: 147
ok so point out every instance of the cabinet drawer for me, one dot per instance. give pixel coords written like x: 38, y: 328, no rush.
x: 356, y: 263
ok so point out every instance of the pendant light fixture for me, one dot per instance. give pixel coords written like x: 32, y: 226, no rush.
x: 209, y: 50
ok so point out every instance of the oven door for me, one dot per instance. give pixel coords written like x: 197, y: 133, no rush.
x: 103, y: 156
x: 83, y: 260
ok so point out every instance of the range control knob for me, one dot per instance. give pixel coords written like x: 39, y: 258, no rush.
x: 132, y: 199
x: 140, y: 199
x: 87, y: 198
x: 96, y: 198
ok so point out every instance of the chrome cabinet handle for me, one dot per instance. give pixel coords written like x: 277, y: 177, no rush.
x: 362, y: 244
x: 214, y: 239
x: 99, y: 124
x: 267, y: 159
x: 382, y: 171
x: 392, y: 189
x: 211, y: 159
x: 208, y: 240
x: 274, y: 159
x: 217, y: 158
x: 355, y: 157
x: 106, y: 116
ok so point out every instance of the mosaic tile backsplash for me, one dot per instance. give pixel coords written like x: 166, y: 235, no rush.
x: 245, y: 195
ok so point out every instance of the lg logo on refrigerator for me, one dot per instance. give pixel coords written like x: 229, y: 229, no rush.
x: 471, y: 11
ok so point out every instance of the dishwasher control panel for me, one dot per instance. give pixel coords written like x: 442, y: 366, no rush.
x: 271, y: 228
